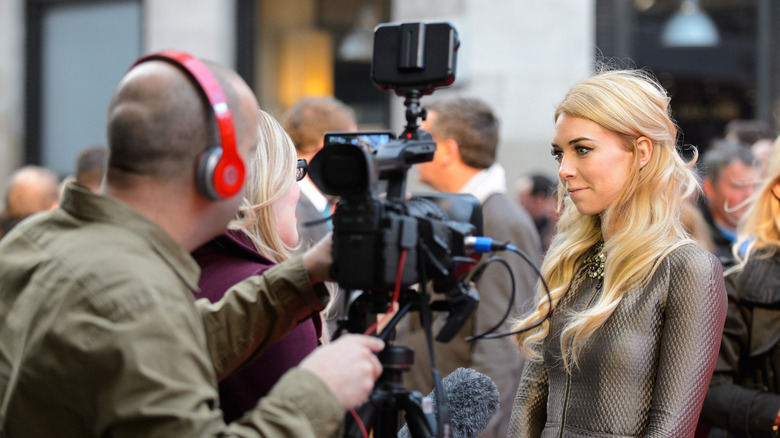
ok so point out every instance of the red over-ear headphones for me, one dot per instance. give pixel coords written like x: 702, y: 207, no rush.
x: 221, y: 170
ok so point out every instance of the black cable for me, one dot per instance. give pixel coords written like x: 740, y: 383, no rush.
x: 484, y: 264
x: 488, y: 335
x: 316, y: 222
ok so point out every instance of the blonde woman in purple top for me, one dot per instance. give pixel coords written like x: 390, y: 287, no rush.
x: 262, y: 234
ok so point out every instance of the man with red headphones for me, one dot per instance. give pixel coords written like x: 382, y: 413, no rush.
x: 99, y: 334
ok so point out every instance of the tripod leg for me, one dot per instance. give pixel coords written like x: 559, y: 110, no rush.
x: 420, y: 418
x: 365, y: 416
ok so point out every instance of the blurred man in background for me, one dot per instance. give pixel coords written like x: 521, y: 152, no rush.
x: 729, y: 174
x: 466, y: 136
x: 306, y: 123
x: 32, y: 189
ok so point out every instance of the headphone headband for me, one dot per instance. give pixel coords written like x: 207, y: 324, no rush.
x: 225, y: 177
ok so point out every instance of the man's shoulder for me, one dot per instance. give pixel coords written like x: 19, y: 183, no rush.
x: 499, y: 210
x: 504, y: 220
x: 500, y: 202
x: 88, y: 257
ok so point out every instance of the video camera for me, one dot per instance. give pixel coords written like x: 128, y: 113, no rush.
x: 369, y: 231
x: 383, y: 243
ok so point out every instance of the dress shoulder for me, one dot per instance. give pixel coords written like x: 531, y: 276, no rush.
x: 690, y: 258
x: 694, y: 281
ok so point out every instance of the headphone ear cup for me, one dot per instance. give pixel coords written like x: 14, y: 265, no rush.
x: 206, y: 172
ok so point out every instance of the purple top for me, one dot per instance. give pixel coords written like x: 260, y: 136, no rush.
x: 225, y: 261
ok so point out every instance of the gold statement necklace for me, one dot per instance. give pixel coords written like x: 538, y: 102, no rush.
x: 595, y: 261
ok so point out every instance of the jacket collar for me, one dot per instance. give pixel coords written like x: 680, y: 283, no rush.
x: 85, y: 205
x: 485, y: 183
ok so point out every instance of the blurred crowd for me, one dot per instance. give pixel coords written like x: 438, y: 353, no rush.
x: 33, y: 188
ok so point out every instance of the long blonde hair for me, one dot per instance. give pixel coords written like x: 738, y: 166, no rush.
x: 270, y: 173
x: 644, y: 221
x: 759, y: 229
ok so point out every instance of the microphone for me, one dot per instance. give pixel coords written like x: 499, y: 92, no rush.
x: 472, y: 398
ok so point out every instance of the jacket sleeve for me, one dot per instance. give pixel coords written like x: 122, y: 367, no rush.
x: 529, y: 413
x: 258, y: 311
x: 694, y: 314
x: 147, y: 394
x: 299, y: 405
x: 741, y: 410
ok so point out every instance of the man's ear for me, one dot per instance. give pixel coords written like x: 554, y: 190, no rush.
x: 644, y: 150
x: 706, y: 188
x: 447, y: 151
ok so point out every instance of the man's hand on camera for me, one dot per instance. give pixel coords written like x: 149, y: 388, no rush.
x: 348, y: 367
x: 317, y: 260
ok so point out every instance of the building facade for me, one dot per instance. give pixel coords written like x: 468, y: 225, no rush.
x: 62, y: 59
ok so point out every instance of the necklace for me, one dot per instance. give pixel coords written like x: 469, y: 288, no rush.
x: 595, y: 261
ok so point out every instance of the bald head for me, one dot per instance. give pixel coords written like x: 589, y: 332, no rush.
x: 32, y: 189
x: 159, y: 122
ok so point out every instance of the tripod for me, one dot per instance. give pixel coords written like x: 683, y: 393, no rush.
x: 381, y: 413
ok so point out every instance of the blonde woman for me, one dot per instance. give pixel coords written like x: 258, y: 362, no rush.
x: 262, y: 234
x: 744, y: 395
x: 637, y: 306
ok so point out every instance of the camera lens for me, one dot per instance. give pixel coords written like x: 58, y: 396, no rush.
x: 344, y: 172
x: 341, y: 170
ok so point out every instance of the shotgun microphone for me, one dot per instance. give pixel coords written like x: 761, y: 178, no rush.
x: 472, y: 398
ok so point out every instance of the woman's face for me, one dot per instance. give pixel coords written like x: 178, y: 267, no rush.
x: 593, y: 163
x: 284, y: 215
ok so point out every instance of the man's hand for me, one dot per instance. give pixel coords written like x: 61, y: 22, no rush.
x: 317, y: 260
x: 348, y: 367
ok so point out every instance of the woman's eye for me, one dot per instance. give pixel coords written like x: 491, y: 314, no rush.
x: 581, y: 150
x: 557, y: 155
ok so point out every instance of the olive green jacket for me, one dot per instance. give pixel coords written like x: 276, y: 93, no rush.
x: 100, y: 335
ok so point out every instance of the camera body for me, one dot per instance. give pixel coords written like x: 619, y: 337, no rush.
x: 370, y: 231
x: 372, y: 227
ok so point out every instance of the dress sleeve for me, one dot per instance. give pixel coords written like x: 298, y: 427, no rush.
x: 257, y: 312
x: 694, y: 315
x: 741, y: 410
x: 529, y: 413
